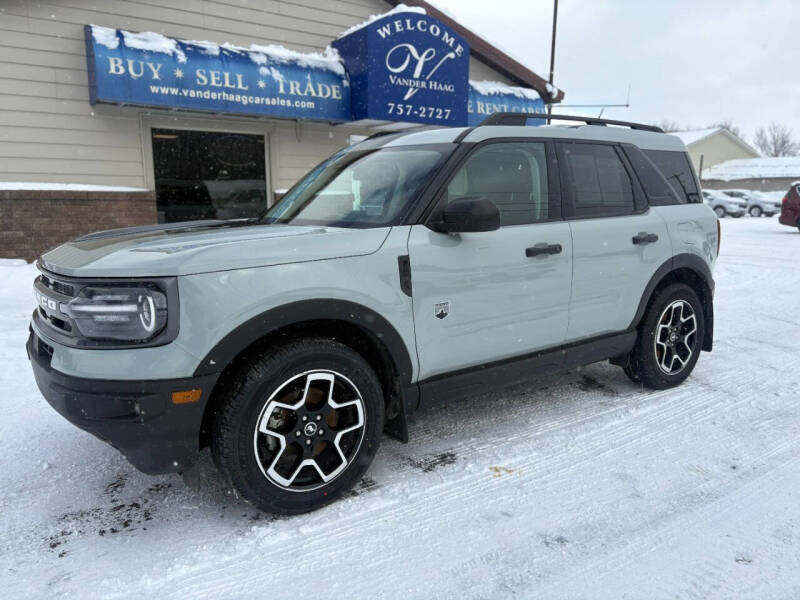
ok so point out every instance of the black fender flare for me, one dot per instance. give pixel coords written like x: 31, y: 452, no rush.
x: 702, y: 270
x: 294, y: 313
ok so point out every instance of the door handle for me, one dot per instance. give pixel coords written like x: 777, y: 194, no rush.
x: 543, y: 250
x: 642, y: 238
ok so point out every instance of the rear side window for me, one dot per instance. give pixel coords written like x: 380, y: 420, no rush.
x: 659, y: 192
x: 513, y: 175
x: 601, y: 185
x: 677, y: 170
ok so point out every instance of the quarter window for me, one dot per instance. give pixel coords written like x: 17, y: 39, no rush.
x: 600, y: 182
x: 513, y: 175
x: 659, y: 192
x: 677, y: 170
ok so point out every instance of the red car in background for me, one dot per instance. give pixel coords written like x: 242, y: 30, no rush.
x: 790, y: 207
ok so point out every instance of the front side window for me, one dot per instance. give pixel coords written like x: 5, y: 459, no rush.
x: 513, y: 175
x: 677, y: 170
x: 600, y: 182
x: 367, y: 188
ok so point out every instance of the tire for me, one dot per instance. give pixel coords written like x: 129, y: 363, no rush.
x: 720, y: 212
x: 266, y: 401
x: 662, y: 319
x: 755, y: 211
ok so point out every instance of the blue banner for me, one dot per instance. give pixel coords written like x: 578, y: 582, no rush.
x: 152, y: 70
x: 407, y: 66
x: 486, y: 98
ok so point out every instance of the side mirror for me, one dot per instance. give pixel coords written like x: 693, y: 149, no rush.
x: 469, y: 214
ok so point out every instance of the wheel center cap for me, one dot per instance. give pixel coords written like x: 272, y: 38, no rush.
x: 310, y: 429
x: 673, y: 337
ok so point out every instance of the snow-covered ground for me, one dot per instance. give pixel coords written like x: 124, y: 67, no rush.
x: 578, y: 486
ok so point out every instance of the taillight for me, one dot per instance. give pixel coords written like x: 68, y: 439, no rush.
x: 719, y: 235
x: 785, y: 200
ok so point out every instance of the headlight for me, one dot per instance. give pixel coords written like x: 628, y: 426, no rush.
x: 126, y: 313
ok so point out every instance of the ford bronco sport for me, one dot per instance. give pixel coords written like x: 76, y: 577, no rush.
x: 403, y: 271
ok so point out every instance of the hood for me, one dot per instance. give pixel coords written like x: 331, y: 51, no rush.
x: 205, y: 246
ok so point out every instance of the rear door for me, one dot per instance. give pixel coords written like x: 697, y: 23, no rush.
x: 484, y: 297
x: 618, y: 241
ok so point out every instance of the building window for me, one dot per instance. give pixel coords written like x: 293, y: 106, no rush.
x: 208, y: 175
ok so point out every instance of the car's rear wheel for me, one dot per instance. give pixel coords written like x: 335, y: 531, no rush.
x: 720, y: 212
x: 670, y: 338
x: 755, y: 211
x: 298, y: 426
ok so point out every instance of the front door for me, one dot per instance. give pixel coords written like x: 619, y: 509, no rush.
x: 484, y: 297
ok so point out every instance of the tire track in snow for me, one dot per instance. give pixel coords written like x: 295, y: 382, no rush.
x: 670, y: 416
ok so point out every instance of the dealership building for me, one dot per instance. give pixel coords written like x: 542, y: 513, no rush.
x: 125, y: 113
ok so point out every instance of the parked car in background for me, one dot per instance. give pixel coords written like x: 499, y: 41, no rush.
x: 790, y: 207
x: 758, y: 203
x: 723, y: 204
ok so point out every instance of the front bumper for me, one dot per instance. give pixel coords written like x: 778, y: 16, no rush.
x: 136, y: 417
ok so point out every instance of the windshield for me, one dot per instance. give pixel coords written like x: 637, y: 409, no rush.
x: 367, y: 188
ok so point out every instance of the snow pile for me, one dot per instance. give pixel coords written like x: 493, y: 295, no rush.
x: 70, y: 187
x: 400, y: 8
x: 551, y: 89
x: 695, y: 135
x: 327, y: 60
x: 497, y: 88
x: 754, y: 168
x: 204, y: 46
x: 151, y: 41
x: 105, y: 36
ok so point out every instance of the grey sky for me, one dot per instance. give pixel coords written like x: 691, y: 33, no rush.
x: 691, y: 62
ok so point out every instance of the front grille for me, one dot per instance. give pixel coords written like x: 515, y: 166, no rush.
x: 58, y: 293
x: 58, y: 286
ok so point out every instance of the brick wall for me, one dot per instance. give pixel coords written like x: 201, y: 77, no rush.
x: 31, y: 221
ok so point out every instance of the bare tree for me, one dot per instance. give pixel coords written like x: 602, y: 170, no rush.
x: 728, y: 124
x: 776, y: 140
x: 669, y: 126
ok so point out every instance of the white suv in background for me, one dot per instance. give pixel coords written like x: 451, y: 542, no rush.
x: 724, y: 205
x: 758, y: 203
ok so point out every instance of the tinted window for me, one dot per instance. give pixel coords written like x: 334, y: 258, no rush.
x: 600, y: 182
x: 513, y: 176
x: 677, y: 170
x: 360, y: 188
x: 659, y: 192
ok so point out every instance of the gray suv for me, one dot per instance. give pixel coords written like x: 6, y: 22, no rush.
x: 407, y: 270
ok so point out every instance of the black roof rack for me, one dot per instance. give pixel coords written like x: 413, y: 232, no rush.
x: 514, y: 118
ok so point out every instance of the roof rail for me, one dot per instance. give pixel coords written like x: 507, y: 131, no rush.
x: 515, y: 118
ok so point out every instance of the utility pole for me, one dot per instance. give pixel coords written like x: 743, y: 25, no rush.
x: 552, y: 58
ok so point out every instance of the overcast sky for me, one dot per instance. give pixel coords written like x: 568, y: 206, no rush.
x: 694, y: 62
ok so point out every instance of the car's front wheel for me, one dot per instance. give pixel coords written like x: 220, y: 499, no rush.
x: 756, y: 211
x: 298, y: 426
x: 670, y: 338
x: 720, y: 212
